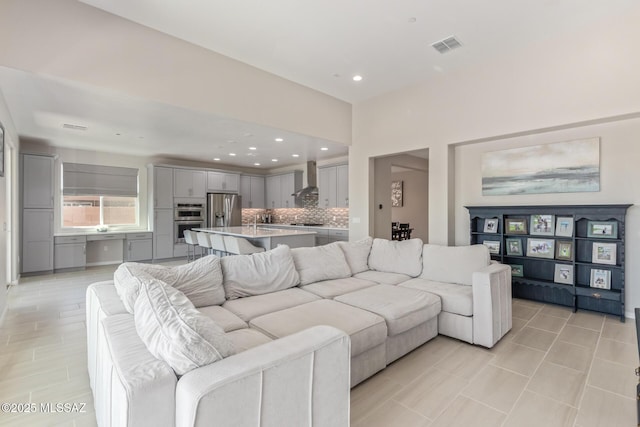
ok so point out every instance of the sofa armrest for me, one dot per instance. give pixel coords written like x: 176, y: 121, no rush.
x: 298, y: 380
x: 491, y: 304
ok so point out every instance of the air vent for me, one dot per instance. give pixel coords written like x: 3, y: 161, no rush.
x: 74, y: 127
x: 444, y: 46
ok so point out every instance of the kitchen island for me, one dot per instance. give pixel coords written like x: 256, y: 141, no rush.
x: 267, y: 238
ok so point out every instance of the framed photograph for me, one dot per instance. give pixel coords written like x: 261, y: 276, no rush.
x: 604, y: 253
x: 563, y: 274
x: 542, y: 225
x: 491, y: 225
x: 517, y: 270
x: 600, y: 279
x: 515, y: 226
x: 540, y: 248
x: 514, y: 247
x: 493, y: 245
x: 397, y: 198
x: 564, y: 226
x: 564, y: 250
x: 602, y: 229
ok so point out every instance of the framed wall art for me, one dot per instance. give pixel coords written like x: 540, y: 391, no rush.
x: 540, y: 248
x: 563, y: 274
x: 396, y: 194
x: 542, y: 225
x: 515, y: 226
x: 602, y: 229
x: 604, y: 253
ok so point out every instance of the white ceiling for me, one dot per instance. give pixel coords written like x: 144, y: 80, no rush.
x: 319, y: 44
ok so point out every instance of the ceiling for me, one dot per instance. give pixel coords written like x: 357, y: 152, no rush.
x: 319, y: 44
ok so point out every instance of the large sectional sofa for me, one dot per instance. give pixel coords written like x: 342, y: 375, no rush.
x: 279, y: 337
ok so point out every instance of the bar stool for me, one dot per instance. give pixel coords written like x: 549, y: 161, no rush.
x: 218, y: 244
x: 203, y: 241
x: 192, y: 242
x: 240, y: 246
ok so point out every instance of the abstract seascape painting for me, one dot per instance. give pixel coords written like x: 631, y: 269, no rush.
x: 561, y: 167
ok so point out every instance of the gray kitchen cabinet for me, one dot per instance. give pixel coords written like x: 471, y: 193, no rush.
x: 37, y: 240
x: 70, y: 252
x: 252, y: 191
x: 280, y: 189
x: 163, y: 234
x: 333, y: 187
x: 162, y: 187
x: 189, y: 183
x: 338, y: 235
x: 37, y: 181
x: 223, y: 182
x: 138, y: 247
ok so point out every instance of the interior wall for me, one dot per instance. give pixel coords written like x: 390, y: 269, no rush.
x: 73, y: 41
x: 8, y: 204
x: 414, y: 209
x: 619, y: 153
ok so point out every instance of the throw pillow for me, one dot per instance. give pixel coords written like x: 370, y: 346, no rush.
x: 319, y: 263
x: 200, y: 281
x: 392, y: 256
x: 453, y: 264
x: 259, y: 273
x: 175, y: 331
x: 357, y: 254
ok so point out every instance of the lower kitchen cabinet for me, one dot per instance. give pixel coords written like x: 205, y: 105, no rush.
x: 70, y: 252
x: 138, y: 247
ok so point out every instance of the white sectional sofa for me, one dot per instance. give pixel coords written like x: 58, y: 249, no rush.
x: 279, y: 337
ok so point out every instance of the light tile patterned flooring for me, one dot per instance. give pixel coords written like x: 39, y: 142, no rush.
x: 555, y: 368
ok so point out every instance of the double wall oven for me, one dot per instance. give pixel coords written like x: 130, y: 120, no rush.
x: 187, y: 216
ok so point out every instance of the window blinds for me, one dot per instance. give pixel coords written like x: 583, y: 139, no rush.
x: 84, y: 180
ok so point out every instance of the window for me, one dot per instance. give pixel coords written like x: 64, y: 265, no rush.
x: 94, y: 195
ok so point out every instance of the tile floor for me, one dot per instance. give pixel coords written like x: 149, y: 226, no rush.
x: 555, y: 368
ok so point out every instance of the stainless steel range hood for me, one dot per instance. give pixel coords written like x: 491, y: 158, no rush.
x: 312, y: 184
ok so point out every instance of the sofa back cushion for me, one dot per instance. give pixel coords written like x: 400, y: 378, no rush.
x: 393, y: 256
x: 357, y: 254
x: 319, y: 263
x: 175, y: 331
x: 200, y: 281
x: 259, y: 273
x: 453, y: 264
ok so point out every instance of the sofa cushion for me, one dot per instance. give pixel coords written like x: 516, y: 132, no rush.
x: 244, y: 339
x: 175, y: 331
x: 200, y: 281
x: 366, y: 330
x: 453, y: 264
x: 357, y: 254
x: 332, y: 288
x: 223, y: 318
x: 259, y: 273
x: 401, y: 308
x: 249, y: 307
x: 382, y: 277
x: 393, y: 256
x: 318, y: 263
x: 457, y: 299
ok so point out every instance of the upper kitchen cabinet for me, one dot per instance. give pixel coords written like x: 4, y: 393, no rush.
x: 252, y: 189
x: 280, y: 189
x: 223, y: 182
x: 189, y: 183
x: 333, y: 187
x: 162, y: 187
x: 37, y: 182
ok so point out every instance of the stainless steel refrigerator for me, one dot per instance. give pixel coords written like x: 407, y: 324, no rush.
x: 223, y: 210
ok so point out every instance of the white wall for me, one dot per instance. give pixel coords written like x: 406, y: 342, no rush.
x: 8, y: 205
x: 619, y: 174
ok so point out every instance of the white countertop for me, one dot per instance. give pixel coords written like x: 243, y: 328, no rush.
x: 94, y: 232
x: 319, y: 227
x: 248, y: 232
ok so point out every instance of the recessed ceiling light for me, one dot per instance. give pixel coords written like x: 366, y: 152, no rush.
x: 274, y: 160
x: 252, y: 148
x: 256, y: 164
x: 117, y: 134
x: 232, y: 154
x: 357, y: 78
x: 295, y: 155
x: 324, y: 148
x: 217, y: 159
x: 412, y: 19
x: 279, y: 139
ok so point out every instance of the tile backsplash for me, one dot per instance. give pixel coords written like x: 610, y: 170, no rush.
x: 310, y: 213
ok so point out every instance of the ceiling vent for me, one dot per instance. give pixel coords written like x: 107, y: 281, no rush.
x: 444, y: 46
x: 74, y: 127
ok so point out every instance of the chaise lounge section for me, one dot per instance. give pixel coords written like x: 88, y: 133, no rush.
x: 329, y: 316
